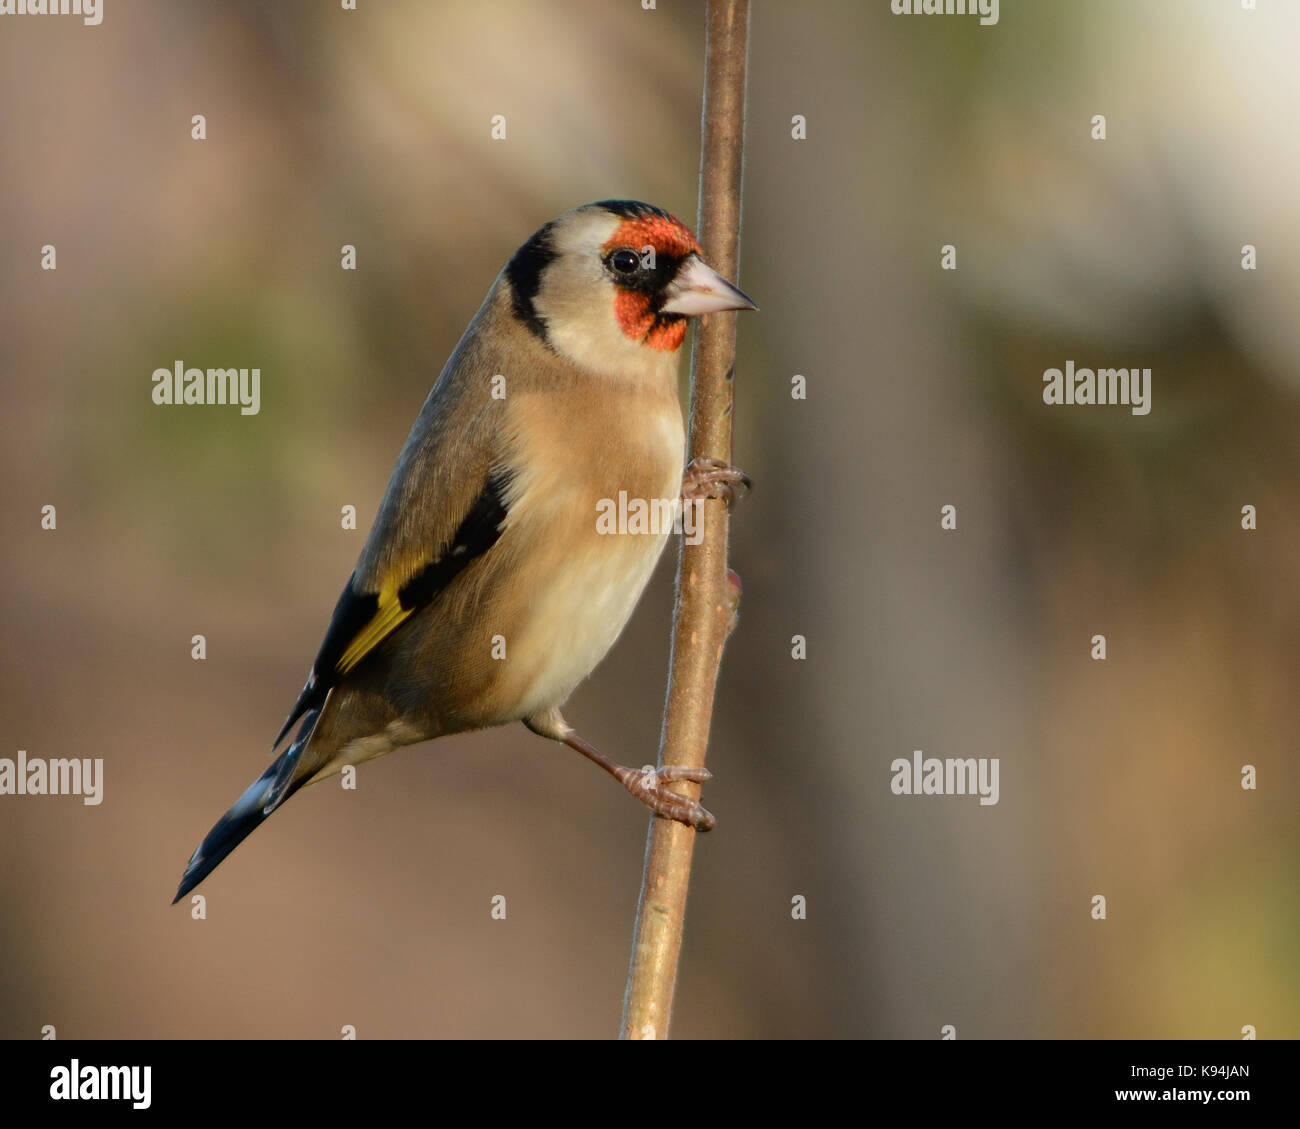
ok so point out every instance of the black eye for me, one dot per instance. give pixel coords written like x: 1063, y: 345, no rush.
x: 624, y: 261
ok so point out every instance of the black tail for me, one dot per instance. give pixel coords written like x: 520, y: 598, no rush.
x: 267, y: 793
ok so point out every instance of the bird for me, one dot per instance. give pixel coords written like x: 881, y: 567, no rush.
x: 485, y: 591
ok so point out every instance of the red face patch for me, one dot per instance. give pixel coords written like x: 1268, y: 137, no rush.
x: 666, y: 235
x: 667, y: 336
x: 670, y: 239
x: 638, y: 321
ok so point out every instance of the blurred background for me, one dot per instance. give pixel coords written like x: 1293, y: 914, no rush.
x: 372, y: 907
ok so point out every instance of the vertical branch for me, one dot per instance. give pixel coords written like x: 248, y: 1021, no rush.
x: 706, y: 596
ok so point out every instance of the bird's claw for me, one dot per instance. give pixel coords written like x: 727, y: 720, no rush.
x: 713, y: 478
x: 647, y: 785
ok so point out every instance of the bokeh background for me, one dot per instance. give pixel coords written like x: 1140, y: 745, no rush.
x: 371, y: 907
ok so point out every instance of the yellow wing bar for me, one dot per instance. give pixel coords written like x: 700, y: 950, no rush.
x: 389, y: 615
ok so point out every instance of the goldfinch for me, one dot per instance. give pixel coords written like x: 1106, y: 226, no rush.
x: 485, y: 591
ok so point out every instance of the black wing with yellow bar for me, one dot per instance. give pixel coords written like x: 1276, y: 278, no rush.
x: 363, y: 620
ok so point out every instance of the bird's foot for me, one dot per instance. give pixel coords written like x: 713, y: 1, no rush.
x: 713, y: 478
x: 647, y: 785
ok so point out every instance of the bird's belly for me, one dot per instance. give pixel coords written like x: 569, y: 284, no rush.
x: 588, y: 558
x: 575, y: 623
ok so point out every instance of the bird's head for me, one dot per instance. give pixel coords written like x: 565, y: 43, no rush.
x: 610, y: 285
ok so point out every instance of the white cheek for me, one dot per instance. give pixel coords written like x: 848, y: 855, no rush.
x: 598, y: 344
